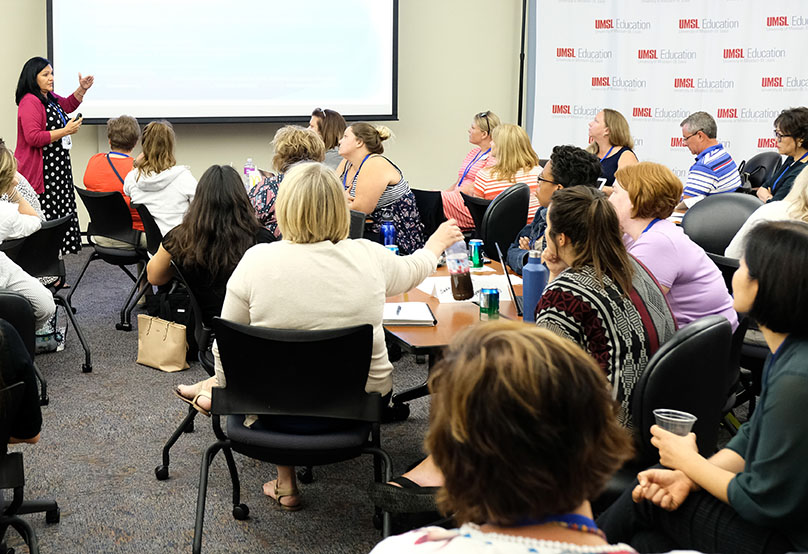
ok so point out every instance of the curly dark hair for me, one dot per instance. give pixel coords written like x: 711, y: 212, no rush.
x: 794, y: 123
x: 522, y: 425
x: 573, y: 166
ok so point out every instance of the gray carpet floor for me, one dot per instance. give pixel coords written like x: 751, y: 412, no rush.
x: 102, y: 437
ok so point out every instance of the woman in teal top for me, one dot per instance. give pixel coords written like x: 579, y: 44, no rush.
x: 751, y: 496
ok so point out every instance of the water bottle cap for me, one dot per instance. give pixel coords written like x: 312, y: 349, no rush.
x: 534, y: 254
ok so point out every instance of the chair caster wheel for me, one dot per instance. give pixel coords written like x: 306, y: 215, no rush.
x: 377, y: 521
x: 53, y: 516
x: 123, y: 326
x: 306, y: 475
x: 396, y: 412
x: 241, y: 512
x: 44, y: 401
x: 161, y: 472
x: 86, y: 368
x: 189, y: 428
x: 72, y: 309
x: 420, y: 359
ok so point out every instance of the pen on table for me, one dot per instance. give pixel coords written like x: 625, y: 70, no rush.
x: 398, y: 310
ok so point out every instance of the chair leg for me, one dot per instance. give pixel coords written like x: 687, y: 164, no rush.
x: 382, y: 475
x: 207, y: 459
x: 161, y: 471
x: 44, y: 400
x: 92, y: 257
x: 231, y: 465
x: 126, y: 310
x: 27, y: 533
x: 88, y: 362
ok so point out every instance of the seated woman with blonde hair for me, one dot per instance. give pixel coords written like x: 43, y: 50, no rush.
x: 376, y: 186
x: 524, y: 429
x: 516, y: 162
x: 314, y: 220
x: 293, y: 145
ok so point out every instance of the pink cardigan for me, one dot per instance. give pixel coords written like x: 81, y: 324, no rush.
x: 32, y: 136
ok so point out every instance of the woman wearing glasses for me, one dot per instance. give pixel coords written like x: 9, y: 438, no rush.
x: 791, y: 131
x: 516, y: 162
x: 611, y: 142
x: 480, y: 157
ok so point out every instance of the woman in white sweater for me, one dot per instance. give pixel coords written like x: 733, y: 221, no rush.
x: 316, y: 279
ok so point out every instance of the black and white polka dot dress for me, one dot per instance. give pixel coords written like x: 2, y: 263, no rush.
x: 59, y: 198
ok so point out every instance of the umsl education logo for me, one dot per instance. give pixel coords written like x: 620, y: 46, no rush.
x: 767, y: 143
x: 565, y: 52
x: 641, y: 112
x: 733, y: 53
x: 778, y: 21
x: 683, y: 82
x: 647, y: 54
x: 689, y: 24
x: 727, y: 113
x: 561, y: 109
x: 771, y: 82
x: 600, y: 82
x: 604, y: 24
x: 678, y: 142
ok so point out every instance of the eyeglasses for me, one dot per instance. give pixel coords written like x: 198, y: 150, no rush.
x: 691, y: 136
x: 484, y: 115
x: 779, y: 136
x: 547, y: 180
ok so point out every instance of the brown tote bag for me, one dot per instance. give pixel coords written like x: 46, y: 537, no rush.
x: 161, y: 344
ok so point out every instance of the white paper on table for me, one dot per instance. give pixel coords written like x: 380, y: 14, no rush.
x: 441, y: 287
x: 483, y: 269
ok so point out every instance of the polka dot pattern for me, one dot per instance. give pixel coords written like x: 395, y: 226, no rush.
x: 59, y: 199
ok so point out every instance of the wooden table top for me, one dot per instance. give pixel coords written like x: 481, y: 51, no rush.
x: 452, y: 317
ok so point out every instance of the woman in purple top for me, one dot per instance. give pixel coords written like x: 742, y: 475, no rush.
x: 44, y: 142
x: 644, y: 197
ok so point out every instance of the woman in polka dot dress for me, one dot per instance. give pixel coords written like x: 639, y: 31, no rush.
x: 44, y: 141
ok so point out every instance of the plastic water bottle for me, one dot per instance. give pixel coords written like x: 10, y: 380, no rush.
x: 534, y: 279
x: 250, y: 173
x: 388, y: 230
x: 457, y: 260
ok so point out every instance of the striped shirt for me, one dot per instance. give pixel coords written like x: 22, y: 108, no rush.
x: 487, y: 186
x: 714, y: 172
x: 453, y: 205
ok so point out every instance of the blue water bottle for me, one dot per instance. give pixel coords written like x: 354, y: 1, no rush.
x: 534, y: 279
x: 388, y: 230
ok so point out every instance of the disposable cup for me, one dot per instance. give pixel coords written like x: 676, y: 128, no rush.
x: 675, y: 421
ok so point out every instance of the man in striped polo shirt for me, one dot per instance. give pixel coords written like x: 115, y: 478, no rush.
x: 714, y: 171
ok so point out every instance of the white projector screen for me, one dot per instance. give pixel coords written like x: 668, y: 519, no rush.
x: 212, y: 61
x: 657, y: 61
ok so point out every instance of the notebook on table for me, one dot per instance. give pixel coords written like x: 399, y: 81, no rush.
x: 517, y: 300
x: 417, y: 314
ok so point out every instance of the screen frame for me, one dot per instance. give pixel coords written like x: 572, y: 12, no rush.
x: 393, y: 116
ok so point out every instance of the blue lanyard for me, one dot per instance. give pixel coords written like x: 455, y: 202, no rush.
x: 573, y: 521
x: 653, y: 221
x: 480, y: 155
x: 785, y: 170
x: 345, y: 175
x: 120, y: 154
x: 59, y: 111
x: 607, y: 153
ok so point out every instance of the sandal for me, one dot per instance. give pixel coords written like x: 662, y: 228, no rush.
x: 195, y: 401
x: 283, y: 493
x: 410, y: 497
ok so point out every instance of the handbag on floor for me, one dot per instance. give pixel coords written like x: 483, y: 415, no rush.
x: 161, y: 344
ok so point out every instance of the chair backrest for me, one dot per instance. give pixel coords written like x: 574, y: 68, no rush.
x: 38, y: 253
x: 430, y: 209
x: 357, y: 225
x: 153, y: 234
x: 688, y: 373
x: 760, y: 168
x: 203, y: 332
x: 109, y: 215
x: 18, y: 312
x: 504, y: 218
x: 727, y: 266
x: 477, y: 207
x: 293, y: 372
x: 714, y: 221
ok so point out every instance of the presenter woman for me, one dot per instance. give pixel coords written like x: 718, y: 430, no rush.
x: 44, y: 140
x: 480, y: 157
x: 611, y: 143
x: 791, y: 131
x: 375, y: 186
x: 330, y: 125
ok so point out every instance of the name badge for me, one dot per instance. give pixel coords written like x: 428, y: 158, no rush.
x: 67, y: 142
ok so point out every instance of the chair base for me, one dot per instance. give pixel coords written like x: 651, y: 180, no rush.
x: 185, y: 426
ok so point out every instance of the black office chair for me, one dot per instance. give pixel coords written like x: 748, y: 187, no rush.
x: 714, y: 221
x: 310, y: 373
x: 110, y: 217
x: 689, y: 373
x: 477, y: 207
x: 38, y: 256
x: 430, y: 208
x: 759, y: 169
x: 154, y: 237
x: 203, y: 333
x: 357, y: 230
x: 504, y: 218
x: 18, y: 312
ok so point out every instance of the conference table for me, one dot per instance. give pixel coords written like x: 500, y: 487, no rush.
x: 430, y: 341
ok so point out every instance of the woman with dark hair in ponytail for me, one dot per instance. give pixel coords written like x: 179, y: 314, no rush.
x: 598, y: 295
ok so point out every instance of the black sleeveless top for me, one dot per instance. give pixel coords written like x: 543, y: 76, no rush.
x: 608, y: 166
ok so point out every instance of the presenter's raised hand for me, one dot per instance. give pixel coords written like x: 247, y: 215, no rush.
x: 86, y: 82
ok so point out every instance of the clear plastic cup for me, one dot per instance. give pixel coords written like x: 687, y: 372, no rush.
x: 679, y: 423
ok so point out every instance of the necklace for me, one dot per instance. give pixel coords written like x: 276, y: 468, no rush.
x: 576, y: 522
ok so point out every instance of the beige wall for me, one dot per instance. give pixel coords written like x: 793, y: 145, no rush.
x: 456, y: 57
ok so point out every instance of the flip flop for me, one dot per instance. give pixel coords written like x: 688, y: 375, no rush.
x: 195, y: 401
x: 410, y: 497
